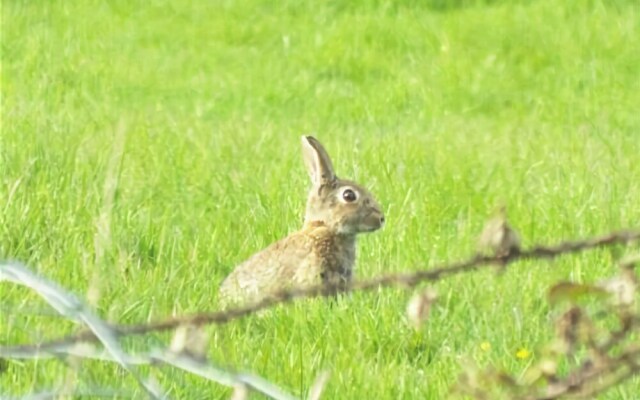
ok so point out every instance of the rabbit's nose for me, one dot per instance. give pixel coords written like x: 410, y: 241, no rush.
x: 382, y: 220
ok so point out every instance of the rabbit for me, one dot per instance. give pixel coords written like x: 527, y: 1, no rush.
x: 324, y: 250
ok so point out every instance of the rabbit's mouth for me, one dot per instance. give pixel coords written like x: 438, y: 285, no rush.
x: 372, y: 222
x: 353, y: 226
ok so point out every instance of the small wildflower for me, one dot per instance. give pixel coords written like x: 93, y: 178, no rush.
x: 485, y: 346
x: 523, y: 353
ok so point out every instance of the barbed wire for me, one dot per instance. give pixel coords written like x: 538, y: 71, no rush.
x: 405, y: 280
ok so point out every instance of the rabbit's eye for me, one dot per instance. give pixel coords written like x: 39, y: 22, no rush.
x: 349, y: 196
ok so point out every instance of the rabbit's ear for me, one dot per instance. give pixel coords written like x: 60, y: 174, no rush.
x: 317, y: 161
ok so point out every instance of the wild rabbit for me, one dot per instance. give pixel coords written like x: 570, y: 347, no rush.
x: 324, y: 250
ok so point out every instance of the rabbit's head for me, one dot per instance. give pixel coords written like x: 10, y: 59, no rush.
x: 342, y: 205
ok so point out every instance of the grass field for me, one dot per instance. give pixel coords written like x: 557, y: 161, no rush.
x: 443, y: 108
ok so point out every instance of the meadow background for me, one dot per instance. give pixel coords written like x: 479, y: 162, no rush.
x: 443, y: 108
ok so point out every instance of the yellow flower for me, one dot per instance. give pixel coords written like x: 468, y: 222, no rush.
x: 523, y: 353
x: 485, y: 346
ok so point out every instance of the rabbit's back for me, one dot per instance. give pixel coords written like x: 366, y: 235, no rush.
x: 308, y: 257
x: 270, y: 270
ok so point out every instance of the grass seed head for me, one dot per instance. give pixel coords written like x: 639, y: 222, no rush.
x: 419, y: 307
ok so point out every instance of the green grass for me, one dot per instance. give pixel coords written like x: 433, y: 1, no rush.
x: 443, y: 108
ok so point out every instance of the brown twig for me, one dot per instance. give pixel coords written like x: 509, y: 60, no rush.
x: 576, y: 381
x: 618, y: 369
x: 404, y: 280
